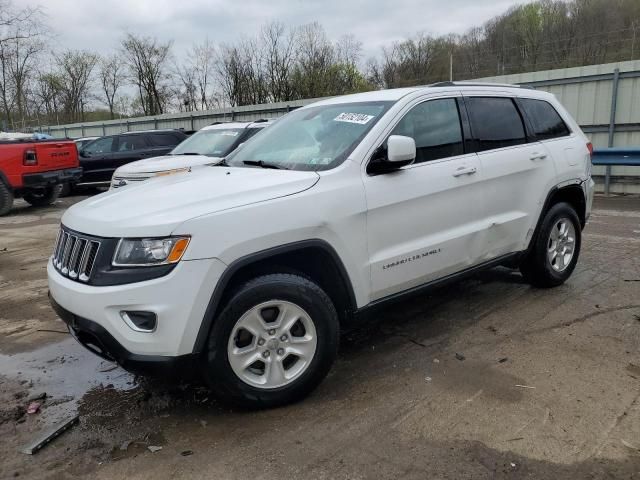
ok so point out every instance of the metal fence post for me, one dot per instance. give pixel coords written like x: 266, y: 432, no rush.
x: 155, y: 123
x: 128, y: 126
x: 191, y: 119
x: 65, y: 132
x: 612, y: 126
x: 104, y: 130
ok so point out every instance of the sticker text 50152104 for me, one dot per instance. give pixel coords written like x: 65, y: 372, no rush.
x: 359, y: 118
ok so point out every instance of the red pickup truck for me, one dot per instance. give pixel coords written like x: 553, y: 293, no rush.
x: 35, y: 170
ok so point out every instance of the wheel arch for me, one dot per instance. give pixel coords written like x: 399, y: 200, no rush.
x: 314, y: 259
x: 573, y: 194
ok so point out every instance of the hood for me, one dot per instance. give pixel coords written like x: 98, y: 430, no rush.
x: 156, y: 207
x: 164, y: 163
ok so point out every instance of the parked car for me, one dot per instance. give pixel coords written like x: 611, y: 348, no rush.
x: 246, y: 270
x: 82, y: 142
x: 206, y: 147
x: 101, y: 157
x: 35, y: 169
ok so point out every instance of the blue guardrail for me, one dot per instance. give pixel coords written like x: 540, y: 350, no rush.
x: 625, y: 156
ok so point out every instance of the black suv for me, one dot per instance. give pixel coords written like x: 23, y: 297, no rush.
x: 100, y: 158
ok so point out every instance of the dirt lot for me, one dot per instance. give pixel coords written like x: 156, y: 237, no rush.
x: 487, y: 378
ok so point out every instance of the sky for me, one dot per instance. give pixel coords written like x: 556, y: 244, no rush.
x: 98, y: 25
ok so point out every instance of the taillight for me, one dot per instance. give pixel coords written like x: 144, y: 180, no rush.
x: 30, y: 158
x: 590, y: 159
x: 590, y: 148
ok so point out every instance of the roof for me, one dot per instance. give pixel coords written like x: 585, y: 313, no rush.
x: 395, y: 94
x: 224, y: 125
x: 159, y: 130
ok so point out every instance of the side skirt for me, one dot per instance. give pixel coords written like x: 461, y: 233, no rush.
x: 509, y: 259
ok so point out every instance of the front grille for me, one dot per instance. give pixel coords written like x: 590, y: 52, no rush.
x: 74, y: 255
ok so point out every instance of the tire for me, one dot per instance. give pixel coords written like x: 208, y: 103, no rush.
x: 541, y: 267
x: 310, y: 315
x: 66, y: 190
x: 43, y: 197
x: 6, y: 199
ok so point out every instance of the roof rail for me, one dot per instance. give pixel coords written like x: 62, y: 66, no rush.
x: 477, y: 84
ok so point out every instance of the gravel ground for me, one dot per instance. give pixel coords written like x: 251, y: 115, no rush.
x: 486, y: 378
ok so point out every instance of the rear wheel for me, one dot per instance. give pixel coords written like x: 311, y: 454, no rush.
x: 6, y: 199
x: 273, y: 342
x: 42, y: 197
x: 554, y: 254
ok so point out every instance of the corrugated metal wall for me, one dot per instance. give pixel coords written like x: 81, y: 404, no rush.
x: 585, y: 91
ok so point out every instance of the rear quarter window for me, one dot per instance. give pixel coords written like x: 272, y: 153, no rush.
x: 545, y: 120
x: 495, y: 122
x: 164, y: 139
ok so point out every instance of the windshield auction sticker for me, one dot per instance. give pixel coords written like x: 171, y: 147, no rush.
x: 229, y: 133
x: 359, y: 118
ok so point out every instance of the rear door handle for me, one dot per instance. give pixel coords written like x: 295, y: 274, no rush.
x: 537, y: 156
x: 464, y: 171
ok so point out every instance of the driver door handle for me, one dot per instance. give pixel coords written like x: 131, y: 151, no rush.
x: 464, y: 171
x: 537, y: 156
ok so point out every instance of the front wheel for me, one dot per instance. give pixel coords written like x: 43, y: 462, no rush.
x: 554, y: 254
x: 273, y: 342
x: 43, y: 196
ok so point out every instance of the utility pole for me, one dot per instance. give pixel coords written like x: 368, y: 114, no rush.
x: 633, y: 39
x: 450, y: 65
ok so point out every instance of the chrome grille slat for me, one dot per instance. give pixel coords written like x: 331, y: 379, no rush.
x: 85, y: 273
x: 63, y: 241
x: 67, y: 253
x: 74, y: 255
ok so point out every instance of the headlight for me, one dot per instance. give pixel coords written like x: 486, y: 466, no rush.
x: 147, y: 252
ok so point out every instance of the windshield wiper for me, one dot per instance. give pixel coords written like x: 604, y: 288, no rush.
x: 186, y: 153
x: 262, y: 164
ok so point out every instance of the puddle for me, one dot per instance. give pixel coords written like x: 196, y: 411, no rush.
x: 66, y: 372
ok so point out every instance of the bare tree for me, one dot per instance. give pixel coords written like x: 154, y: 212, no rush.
x: 111, y: 76
x: 278, y: 58
x: 75, y: 69
x: 148, y: 62
x: 315, y: 55
x: 196, y: 77
x: 202, y: 58
x: 20, y: 41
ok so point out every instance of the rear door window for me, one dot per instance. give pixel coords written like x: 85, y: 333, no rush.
x: 546, y: 121
x: 164, y: 139
x: 129, y: 143
x: 101, y: 145
x: 495, y: 122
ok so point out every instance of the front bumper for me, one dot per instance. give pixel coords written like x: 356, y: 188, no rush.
x: 99, y: 341
x: 179, y: 300
x: 54, y: 177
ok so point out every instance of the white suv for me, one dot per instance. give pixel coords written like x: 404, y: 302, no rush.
x: 207, y: 146
x: 247, y: 269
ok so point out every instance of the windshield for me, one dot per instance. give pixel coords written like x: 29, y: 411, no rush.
x: 315, y: 138
x: 216, y: 142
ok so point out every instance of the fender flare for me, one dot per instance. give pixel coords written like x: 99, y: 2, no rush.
x: 236, y: 265
x: 547, y: 204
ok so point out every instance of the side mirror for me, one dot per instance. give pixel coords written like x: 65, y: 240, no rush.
x: 399, y: 152
x: 84, y: 153
x: 401, y: 149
